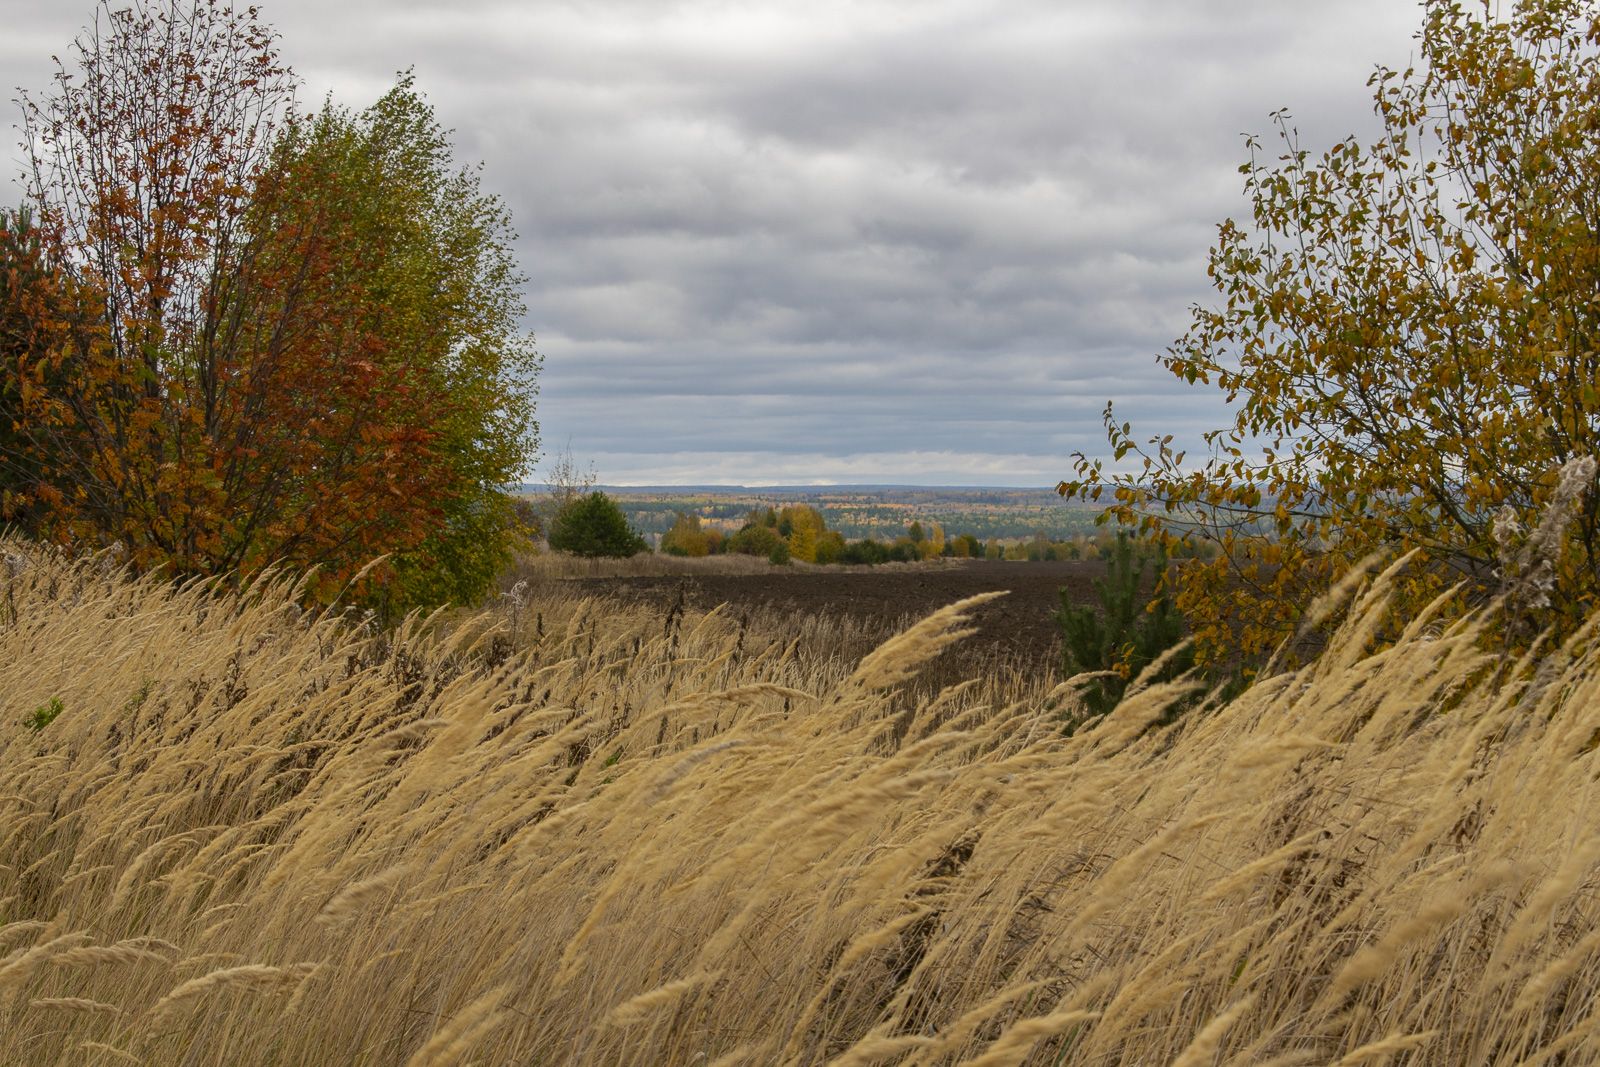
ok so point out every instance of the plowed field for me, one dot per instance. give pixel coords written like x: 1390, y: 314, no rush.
x: 1016, y: 632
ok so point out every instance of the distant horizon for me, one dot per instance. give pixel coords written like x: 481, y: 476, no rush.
x: 808, y: 486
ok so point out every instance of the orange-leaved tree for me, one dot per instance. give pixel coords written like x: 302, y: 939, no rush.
x: 1409, y: 336
x: 427, y: 296
x: 304, y: 345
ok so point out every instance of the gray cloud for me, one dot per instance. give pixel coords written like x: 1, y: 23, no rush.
x: 891, y: 241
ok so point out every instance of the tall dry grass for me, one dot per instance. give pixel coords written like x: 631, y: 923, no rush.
x: 554, y: 566
x: 252, y: 837
x: 551, y: 566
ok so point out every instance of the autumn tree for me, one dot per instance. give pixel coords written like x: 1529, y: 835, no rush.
x: 305, y: 344
x: 1408, y: 334
x: 804, y: 525
x: 436, y: 301
x: 565, y: 480
x: 830, y: 547
x: 46, y: 326
x: 686, y: 537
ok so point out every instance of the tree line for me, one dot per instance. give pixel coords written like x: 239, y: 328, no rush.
x: 587, y: 522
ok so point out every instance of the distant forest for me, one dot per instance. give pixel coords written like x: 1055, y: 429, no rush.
x: 879, y: 512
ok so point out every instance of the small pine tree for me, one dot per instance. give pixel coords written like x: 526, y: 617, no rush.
x: 1126, y: 634
x: 594, y: 526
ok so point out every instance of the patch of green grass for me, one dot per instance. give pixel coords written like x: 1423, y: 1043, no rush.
x: 43, y: 715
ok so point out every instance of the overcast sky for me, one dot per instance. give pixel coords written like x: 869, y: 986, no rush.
x: 774, y: 241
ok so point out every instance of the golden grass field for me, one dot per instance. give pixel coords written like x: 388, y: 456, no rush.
x: 571, y: 833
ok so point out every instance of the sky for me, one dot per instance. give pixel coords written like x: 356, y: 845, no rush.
x: 822, y: 242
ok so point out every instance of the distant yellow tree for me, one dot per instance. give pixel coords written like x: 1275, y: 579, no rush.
x: 932, y: 542
x: 805, y: 526
x: 1409, y: 337
x: 686, y: 538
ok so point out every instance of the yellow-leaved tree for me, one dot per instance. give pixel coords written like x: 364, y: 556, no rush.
x: 805, y: 526
x: 1408, y: 334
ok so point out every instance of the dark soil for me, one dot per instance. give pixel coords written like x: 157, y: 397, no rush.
x: 1015, y: 633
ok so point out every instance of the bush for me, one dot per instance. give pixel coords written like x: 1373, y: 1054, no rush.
x: 756, y: 539
x: 830, y: 546
x: 44, y: 715
x: 904, y: 550
x: 594, y: 526
x: 1126, y: 634
x: 864, y: 552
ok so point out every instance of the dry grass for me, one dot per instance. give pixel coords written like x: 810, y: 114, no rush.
x: 252, y: 838
x: 549, y: 566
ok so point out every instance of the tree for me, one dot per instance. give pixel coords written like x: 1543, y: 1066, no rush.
x: 564, y: 482
x: 830, y: 547
x: 439, y: 293
x: 756, y: 538
x: 969, y: 547
x: 594, y: 526
x: 686, y: 538
x: 1127, y: 632
x: 46, y: 327
x: 1408, y: 333
x: 305, y: 344
x: 805, y: 526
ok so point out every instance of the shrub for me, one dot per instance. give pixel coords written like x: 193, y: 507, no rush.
x: 1128, y: 631
x: 904, y: 550
x: 830, y: 546
x: 865, y: 551
x: 756, y: 539
x: 44, y: 715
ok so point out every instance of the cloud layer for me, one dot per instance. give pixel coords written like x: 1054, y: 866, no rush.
x: 868, y: 241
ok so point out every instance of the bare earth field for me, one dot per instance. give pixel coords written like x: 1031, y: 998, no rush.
x: 1016, y: 633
